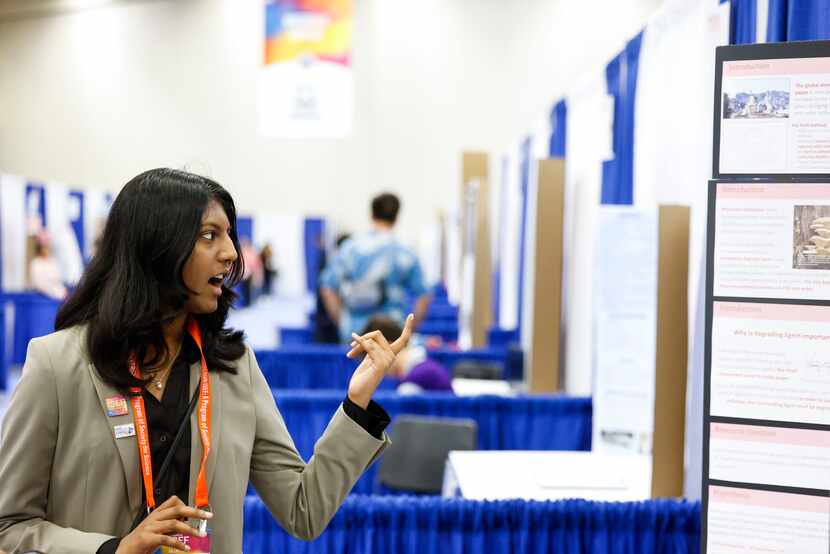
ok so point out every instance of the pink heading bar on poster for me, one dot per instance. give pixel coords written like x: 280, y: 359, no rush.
x: 761, y: 68
x: 773, y: 312
x: 765, y: 499
x: 751, y: 191
x: 775, y: 435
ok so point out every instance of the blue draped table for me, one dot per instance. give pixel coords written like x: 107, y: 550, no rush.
x: 413, y: 525
x: 34, y: 316
x: 521, y: 423
x: 325, y: 366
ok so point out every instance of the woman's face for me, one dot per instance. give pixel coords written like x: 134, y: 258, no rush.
x: 210, y: 262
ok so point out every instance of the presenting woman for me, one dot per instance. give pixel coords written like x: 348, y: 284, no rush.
x: 139, y: 423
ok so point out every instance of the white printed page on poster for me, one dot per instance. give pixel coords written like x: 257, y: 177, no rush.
x: 778, y: 456
x: 775, y: 116
x: 745, y: 521
x: 772, y: 240
x: 770, y: 362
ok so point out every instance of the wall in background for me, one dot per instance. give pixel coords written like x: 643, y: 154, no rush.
x: 96, y: 96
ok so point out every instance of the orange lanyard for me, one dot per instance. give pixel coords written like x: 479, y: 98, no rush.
x: 143, y: 435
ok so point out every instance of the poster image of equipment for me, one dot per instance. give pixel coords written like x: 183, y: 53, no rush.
x: 756, y: 98
x: 811, y: 237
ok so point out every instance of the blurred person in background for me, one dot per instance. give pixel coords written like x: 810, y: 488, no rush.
x: 374, y: 273
x: 44, y: 272
x: 325, y: 330
x: 413, y: 367
x: 252, y: 278
x: 269, y: 272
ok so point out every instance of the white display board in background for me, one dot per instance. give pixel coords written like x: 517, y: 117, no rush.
x: 766, y: 479
x: 13, y: 233
x: 286, y: 235
x: 625, y: 290
x: 61, y: 210
x: 97, y: 204
x: 509, y: 233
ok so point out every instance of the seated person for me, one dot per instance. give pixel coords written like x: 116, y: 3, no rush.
x: 412, y: 366
x: 44, y: 272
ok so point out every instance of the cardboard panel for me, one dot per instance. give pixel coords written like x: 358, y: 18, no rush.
x: 543, y: 360
x: 672, y: 348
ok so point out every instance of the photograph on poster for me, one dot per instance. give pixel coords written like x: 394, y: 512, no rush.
x: 770, y: 362
x: 811, y: 237
x: 769, y: 241
x: 756, y: 99
x: 775, y: 116
x: 743, y: 521
x: 769, y: 455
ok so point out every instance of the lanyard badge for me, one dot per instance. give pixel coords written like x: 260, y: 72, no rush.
x: 196, y: 544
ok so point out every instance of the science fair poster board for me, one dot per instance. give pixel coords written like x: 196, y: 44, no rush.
x: 766, y: 462
x: 772, y: 110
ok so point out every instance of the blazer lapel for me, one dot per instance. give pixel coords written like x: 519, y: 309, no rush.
x: 128, y: 446
x: 216, y: 385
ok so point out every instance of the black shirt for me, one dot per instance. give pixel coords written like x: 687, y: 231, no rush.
x: 165, y: 416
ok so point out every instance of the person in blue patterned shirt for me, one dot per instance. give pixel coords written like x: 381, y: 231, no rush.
x: 374, y: 274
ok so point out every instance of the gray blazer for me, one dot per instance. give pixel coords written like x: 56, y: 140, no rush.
x: 67, y: 484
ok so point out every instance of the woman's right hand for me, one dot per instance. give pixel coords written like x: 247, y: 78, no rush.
x: 156, y: 530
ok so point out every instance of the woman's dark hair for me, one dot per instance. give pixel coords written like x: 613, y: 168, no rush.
x: 134, y: 283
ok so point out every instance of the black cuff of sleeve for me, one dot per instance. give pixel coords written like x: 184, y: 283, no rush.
x: 373, y: 419
x: 109, y: 547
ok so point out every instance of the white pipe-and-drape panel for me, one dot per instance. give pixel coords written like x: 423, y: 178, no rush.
x: 674, y: 99
x: 429, y: 251
x: 97, y: 204
x: 286, y: 235
x: 12, y: 233
x: 588, y: 144
x: 452, y: 250
x: 61, y: 210
x: 509, y: 236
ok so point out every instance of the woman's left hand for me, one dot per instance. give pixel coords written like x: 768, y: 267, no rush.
x: 379, y: 357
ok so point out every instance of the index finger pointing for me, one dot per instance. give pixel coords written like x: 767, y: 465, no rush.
x: 403, y: 340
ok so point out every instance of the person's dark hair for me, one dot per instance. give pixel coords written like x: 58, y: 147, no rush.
x: 341, y: 238
x: 134, y: 282
x: 385, y: 207
x: 388, y: 327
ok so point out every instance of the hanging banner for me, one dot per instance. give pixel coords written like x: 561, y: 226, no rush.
x: 306, y: 83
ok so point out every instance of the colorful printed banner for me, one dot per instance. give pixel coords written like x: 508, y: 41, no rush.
x: 306, y: 84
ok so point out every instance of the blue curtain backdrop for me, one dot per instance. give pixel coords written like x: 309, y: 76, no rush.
x: 313, y: 235
x: 787, y: 20
x: 558, y: 126
x: 798, y: 20
x: 743, y: 21
x: 323, y: 366
x: 618, y: 173
x: 523, y: 423
x: 410, y: 525
x: 78, y: 223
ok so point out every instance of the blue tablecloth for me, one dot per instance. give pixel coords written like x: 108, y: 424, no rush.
x: 325, y: 366
x: 410, y: 525
x: 523, y: 423
x: 34, y: 316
